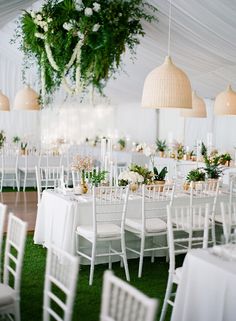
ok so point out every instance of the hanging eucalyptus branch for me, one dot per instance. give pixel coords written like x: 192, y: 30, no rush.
x: 80, y: 43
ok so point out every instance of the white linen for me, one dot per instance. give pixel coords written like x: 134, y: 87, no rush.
x: 207, y: 289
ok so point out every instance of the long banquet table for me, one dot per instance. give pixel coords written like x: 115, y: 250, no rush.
x: 59, y: 215
x: 207, y: 289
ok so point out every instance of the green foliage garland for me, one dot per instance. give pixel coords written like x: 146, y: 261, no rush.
x: 79, y: 43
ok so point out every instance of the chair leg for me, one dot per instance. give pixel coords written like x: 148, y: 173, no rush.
x: 123, y: 249
x: 213, y: 233
x: 92, y: 263
x: 110, y: 257
x: 167, y: 297
x: 153, y: 252
x: 17, y: 311
x: 141, y: 256
x: 25, y: 177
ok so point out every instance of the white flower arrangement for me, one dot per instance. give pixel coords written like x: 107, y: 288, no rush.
x: 131, y: 177
x: 149, y: 151
x: 140, y: 147
x: 96, y: 27
x: 88, y: 12
x: 96, y: 7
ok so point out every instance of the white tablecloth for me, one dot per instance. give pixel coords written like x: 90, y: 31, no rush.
x: 207, y: 291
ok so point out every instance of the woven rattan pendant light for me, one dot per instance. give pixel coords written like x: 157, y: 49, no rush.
x: 225, y: 102
x: 198, y: 110
x: 4, y: 102
x: 26, y: 99
x: 167, y: 86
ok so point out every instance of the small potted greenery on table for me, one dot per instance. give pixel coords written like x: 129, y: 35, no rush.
x: 2, y: 138
x: 212, y: 168
x: 161, y: 147
x: 159, y: 178
x: 194, y: 176
x: 122, y: 143
x: 225, y: 159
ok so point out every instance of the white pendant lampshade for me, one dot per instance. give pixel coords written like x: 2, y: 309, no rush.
x: 225, y: 103
x: 4, y: 102
x: 167, y: 86
x: 26, y: 99
x: 198, y: 110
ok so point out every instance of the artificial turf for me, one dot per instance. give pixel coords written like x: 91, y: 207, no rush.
x: 87, y: 302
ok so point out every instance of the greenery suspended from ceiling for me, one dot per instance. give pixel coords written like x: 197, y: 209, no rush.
x: 79, y: 44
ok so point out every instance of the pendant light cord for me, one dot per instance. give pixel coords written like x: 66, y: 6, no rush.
x: 170, y: 12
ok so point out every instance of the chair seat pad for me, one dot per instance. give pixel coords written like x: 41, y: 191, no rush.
x: 178, y: 275
x: 198, y: 223
x: 7, y: 295
x: 152, y: 224
x: 105, y: 230
x: 219, y: 218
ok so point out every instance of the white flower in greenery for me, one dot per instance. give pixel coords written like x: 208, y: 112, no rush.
x: 39, y: 17
x: 49, y: 20
x: 45, y: 28
x: 79, y: 5
x: 88, y: 12
x: 67, y: 26
x: 96, y: 6
x: 32, y: 13
x: 80, y: 35
x: 131, y: 177
x: 96, y: 27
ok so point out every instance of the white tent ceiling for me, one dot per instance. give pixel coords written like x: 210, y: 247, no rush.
x: 203, y: 43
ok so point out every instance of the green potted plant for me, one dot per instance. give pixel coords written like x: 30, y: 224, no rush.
x: 122, y: 143
x: 225, y: 159
x: 195, y: 175
x: 23, y: 147
x: 97, y: 177
x: 159, y: 177
x: 2, y: 138
x: 161, y: 147
x: 212, y: 168
x: 203, y: 150
x: 16, y: 140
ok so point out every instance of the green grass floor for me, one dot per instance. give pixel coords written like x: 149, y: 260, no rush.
x: 88, y: 298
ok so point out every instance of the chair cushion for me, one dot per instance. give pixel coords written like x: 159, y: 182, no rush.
x: 7, y: 295
x: 152, y: 224
x: 105, y: 230
x: 198, y: 222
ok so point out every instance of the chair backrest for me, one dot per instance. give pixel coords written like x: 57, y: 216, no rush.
x: 228, y: 213
x: 9, y: 159
x: 154, y: 200
x: 109, y: 205
x: 181, y: 222
x: 60, y: 285
x: 3, y: 210
x: 207, y: 191
x: 14, y: 252
x: 121, y: 301
x: 117, y: 169
x: 50, y: 176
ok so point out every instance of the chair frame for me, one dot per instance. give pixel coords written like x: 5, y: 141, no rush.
x: 153, y: 199
x: 14, y: 223
x: 102, y: 197
x: 176, y: 222
x: 135, y: 307
x: 3, y: 211
x: 54, y: 275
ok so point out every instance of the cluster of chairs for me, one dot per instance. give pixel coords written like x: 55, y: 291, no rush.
x: 62, y: 274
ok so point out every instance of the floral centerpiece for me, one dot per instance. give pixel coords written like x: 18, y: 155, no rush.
x: 143, y: 171
x: 82, y: 165
x: 80, y: 43
x: 212, y: 166
x: 130, y: 177
x: 195, y: 177
x: 2, y: 138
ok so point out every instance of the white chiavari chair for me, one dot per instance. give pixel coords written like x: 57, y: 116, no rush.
x: 117, y: 169
x: 27, y: 163
x: 48, y: 177
x: 123, y: 302
x: 109, y: 211
x: 227, y: 219
x: 206, y: 192
x: 14, y: 252
x: 61, y: 274
x: 3, y: 210
x: 152, y: 223
x: 187, y: 228
x: 9, y: 171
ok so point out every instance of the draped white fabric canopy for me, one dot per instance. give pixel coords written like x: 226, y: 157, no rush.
x: 203, y: 44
